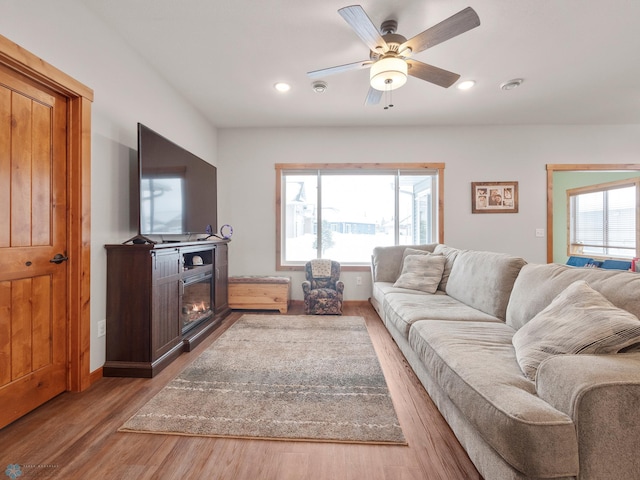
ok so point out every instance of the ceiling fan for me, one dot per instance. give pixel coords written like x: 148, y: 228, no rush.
x: 390, y: 53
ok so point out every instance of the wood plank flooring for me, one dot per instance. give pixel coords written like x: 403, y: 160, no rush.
x: 74, y: 435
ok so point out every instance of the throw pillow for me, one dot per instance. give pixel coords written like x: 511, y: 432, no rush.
x: 421, y: 272
x: 406, y: 253
x: 578, y: 320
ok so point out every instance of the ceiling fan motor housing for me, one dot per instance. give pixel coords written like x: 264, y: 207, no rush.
x: 390, y: 69
x: 393, y: 40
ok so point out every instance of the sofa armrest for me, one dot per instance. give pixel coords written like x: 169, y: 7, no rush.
x: 306, y: 287
x: 386, y: 262
x: 373, y: 270
x: 601, y: 393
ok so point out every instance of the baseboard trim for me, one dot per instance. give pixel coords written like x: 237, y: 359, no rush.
x: 356, y: 303
x: 95, y: 376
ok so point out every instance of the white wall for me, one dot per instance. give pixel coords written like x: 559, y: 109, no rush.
x: 246, y: 160
x: 68, y: 36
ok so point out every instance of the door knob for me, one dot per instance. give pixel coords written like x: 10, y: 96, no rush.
x: 59, y: 258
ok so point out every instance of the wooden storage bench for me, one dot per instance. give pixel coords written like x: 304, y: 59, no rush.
x: 259, y: 293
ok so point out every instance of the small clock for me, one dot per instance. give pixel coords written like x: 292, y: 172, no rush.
x: 226, y: 231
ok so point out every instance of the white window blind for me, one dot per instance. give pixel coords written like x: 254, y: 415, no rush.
x: 603, y: 220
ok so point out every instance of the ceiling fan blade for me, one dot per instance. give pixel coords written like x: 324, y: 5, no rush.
x: 431, y: 74
x: 453, y: 26
x: 373, y: 97
x: 339, y: 69
x: 358, y: 19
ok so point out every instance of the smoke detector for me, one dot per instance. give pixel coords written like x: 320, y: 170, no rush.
x: 319, y: 87
x: 511, y: 84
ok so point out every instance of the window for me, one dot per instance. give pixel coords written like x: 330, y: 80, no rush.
x: 343, y: 211
x: 604, y: 219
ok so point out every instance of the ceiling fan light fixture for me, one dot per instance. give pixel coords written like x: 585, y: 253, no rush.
x: 388, y: 73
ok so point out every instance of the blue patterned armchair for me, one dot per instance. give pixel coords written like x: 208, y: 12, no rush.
x: 323, y: 288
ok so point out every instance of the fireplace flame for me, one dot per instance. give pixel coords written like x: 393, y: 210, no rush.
x: 199, y: 307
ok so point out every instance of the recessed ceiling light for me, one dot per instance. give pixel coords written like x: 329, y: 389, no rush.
x: 466, y: 85
x: 282, y: 87
x: 511, y: 84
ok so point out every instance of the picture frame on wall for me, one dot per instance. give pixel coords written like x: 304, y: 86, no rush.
x: 494, y: 197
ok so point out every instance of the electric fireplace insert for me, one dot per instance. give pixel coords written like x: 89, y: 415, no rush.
x: 196, y: 303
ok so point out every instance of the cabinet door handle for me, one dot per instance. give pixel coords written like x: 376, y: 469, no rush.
x: 181, y: 287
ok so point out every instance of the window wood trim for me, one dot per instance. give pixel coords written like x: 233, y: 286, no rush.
x: 577, y: 167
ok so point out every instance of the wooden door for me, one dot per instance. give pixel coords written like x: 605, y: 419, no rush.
x: 33, y: 230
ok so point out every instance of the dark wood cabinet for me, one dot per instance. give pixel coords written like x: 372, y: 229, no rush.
x: 222, y: 279
x: 163, y: 329
x: 162, y: 299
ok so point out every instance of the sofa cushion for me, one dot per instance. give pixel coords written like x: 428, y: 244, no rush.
x: 411, y: 251
x: 475, y: 364
x: 579, y: 320
x: 548, y: 280
x: 387, y: 261
x: 404, y: 309
x: 421, y: 272
x: 382, y: 289
x: 484, y: 280
x: 450, y: 254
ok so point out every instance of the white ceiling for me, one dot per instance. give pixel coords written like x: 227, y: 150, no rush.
x: 580, y: 60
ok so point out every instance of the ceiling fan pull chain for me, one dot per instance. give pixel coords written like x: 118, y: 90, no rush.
x: 388, y: 94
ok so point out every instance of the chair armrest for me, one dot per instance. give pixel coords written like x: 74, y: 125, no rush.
x: 306, y: 287
x: 340, y: 286
x: 601, y: 393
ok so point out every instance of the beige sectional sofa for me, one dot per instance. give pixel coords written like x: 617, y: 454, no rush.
x: 579, y: 418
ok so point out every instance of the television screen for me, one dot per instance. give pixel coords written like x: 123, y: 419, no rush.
x: 178, y: 190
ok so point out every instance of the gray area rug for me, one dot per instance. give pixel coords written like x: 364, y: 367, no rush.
x: 281, y: 377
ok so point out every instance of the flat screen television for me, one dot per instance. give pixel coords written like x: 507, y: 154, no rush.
x: 178, y: 190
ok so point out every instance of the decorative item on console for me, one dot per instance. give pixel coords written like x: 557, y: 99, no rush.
x: 226, y: 232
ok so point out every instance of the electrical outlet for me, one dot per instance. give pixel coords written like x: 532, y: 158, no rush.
x: 539, y: 232
x: 358, y: 280
x: 102, y: 328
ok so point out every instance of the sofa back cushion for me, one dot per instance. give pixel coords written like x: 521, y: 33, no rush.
x: 538, y: 284
x: 484, y: 280
x: 386, y: 262
x: 450, y: 255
